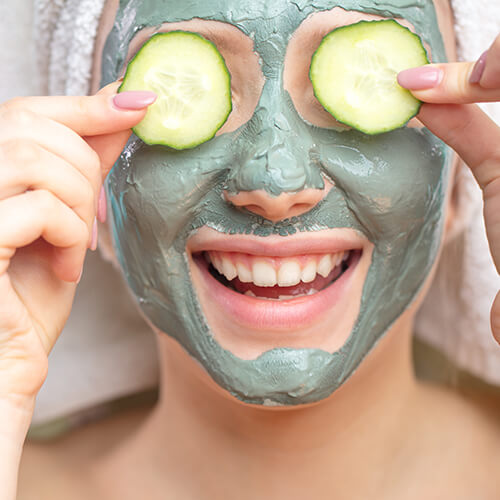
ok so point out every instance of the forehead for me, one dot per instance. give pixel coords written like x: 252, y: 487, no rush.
x: 265, y: 22
x: 240, y: 11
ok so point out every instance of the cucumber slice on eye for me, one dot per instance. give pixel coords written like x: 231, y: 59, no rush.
x: 193, y: 85
x: 354, y: 74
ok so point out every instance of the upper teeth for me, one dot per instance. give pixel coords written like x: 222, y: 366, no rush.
x: 269, y: 271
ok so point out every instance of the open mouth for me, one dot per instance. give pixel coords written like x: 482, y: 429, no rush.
x: 277, y: 278
x: 257, y: 294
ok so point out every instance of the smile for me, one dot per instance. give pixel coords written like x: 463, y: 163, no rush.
x: 300, y: 291
x: 277, y: 278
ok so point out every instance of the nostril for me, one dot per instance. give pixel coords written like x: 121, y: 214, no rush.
x: 255, y: 208
x: 302, y: 207
x: 276, y: 208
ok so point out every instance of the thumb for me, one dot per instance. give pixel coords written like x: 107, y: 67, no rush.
x: 446, y: 84
x: 457, y: 83
x: 109, y: 148
x: 103, y: 113
x: 109, y: 145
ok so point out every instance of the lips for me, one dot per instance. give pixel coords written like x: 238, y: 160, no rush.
x: 279, y: 284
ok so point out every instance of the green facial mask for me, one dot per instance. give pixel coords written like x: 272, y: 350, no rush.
x: 391, y: 188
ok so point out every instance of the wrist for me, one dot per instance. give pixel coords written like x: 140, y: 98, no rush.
x: 16, y: 413
x: 15, y: 418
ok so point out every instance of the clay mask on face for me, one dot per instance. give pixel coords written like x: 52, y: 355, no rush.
x: 390, y: 188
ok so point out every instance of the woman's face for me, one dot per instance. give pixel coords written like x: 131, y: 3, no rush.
x: 277, y: 197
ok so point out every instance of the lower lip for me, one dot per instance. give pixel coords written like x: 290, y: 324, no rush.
x: 267, y: 314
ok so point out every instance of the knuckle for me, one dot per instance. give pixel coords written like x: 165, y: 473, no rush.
x: 44, y: 201
x: 16, y: 116
x: 88, y: 192
x: 85, y: 201
x: 81, y: 233
x: 459, y: 87
x: 21, y: 151
x: 94, y: 162
x: 13, y: 103
x: 80, y: 105
x: 93, y: 166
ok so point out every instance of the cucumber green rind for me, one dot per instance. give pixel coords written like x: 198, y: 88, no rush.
x: 354, y: 74
x: 182, y: 56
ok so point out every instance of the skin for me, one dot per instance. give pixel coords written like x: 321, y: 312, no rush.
x: 247, y: 446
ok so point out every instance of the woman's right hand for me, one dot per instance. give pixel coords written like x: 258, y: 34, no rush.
x: 54, y: 155
x: 448, y: 91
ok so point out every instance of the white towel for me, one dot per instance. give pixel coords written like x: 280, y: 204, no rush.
x: 469, y: 292
x: 65, y: 32
x: 118, y: 357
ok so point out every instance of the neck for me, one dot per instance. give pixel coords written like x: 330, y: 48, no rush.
x: 220, y: 448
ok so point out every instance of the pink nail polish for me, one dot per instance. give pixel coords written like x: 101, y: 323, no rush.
x: 478, y: 69
x: 102, y: 207
x: 421, y: 78
x: 133, y: 100
x: 79, y: 277
x: 93, y: 244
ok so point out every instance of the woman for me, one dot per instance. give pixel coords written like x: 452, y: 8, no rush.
x: 321, y: 384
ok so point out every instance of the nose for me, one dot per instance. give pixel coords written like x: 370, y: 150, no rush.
x: 277, y: 208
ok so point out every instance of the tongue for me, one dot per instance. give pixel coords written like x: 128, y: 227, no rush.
x: 274, y: 292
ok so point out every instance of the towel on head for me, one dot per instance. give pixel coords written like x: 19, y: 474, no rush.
x: 117, y: 356
x: 65, y: 32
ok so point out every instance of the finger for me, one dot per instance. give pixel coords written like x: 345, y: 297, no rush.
x: 109, y: 148
x: 22, y: 128
x: 459, y: 83
x: 495, y: 318
x: 446, y: 83
x: 490, y: 78
x: 471, y: 133
x: 27, y: 166
x: 39, y: 214
x: 104, y: 113
x: 476, y: 138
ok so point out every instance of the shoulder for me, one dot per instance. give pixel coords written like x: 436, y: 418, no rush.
x: 61, y: 469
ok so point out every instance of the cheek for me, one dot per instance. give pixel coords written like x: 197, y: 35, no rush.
x: 157, y: 193
x: 395, y: 185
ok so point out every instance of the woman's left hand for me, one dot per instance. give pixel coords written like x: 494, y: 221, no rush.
x: 449, y: 91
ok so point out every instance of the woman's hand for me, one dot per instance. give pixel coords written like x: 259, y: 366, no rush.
x: 451, y: 88
x: 54, y: 155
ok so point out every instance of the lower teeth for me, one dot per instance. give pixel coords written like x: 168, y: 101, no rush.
x: 249, y: 293
x: 312, y: 291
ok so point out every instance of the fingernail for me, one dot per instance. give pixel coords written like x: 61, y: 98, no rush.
x: 421, y: 78
x: 133, y: 100
x: 478, y: 69
x: 102, y: 206
x: 93, y: 244
x: 79, y: 277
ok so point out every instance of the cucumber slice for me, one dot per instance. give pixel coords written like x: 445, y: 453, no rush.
x: 193, y: 85
x: 354, y: 74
